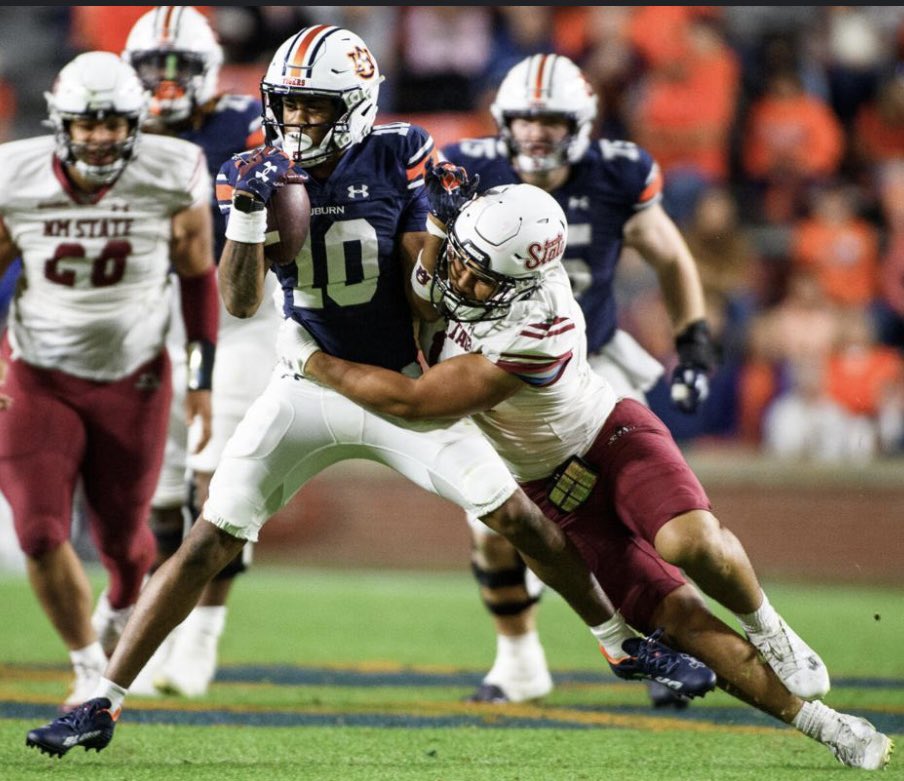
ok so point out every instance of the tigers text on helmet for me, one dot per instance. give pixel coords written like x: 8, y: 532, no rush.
x: 546, y: 85
x: 96, y: 86
x: 321, y: 62
x: 177, y: 57
x: 507, y: 237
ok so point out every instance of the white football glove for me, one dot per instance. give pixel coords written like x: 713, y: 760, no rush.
x: 295, y: 345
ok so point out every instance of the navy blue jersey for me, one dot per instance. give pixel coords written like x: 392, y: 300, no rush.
x: 606, y: 187
x: 347, y: 284
x: 233, y: 126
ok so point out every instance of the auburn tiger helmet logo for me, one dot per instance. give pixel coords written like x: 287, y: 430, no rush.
x: 365, y: 67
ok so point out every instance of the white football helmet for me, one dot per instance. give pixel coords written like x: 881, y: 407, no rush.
x: 321, y: 61
x: 178, y: 59
x: 546, y: 85
x: 509, y: 237
x: 94, y: 86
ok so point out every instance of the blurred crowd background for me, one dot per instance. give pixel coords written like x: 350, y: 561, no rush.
x: 780, y: 132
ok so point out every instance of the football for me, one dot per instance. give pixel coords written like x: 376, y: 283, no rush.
x: 288, y: 222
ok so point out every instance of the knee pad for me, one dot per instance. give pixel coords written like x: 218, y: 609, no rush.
x: 492, y: 580
x: 168, y: 527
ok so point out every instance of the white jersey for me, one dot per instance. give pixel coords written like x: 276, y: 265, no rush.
x: 96, y: 297
x: 563, y: 404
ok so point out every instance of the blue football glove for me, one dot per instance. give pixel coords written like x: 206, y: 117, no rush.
x: 448, y: 188
x: 263, y: 171
x: 696, y: 361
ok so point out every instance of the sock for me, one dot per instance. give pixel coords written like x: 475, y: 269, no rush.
x: 91, y: 656
x: 509, y: 646
x: 113, y: 692
x: 517, y: 656
x: 813, y: 719
x: 611, y: 634
x: 763, y: 620
x: 207, y: 620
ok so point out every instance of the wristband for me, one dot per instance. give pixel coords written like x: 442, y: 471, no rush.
x: 247, y: 227
x: 422, y: 281
x: 199, y: 364
x: 434, y: 230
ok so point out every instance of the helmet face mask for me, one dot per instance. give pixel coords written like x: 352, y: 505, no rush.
x: 507, y: 238
x: 178, y: 59
x: 546, y: 86
x: 96, y: 87
x: 321, y: 62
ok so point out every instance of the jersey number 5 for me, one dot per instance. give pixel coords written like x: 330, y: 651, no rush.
x: 106, y: 269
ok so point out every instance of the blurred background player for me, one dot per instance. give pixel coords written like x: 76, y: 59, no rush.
x: 610, y: 191
x: 98, y: 213
x: 177, y: 57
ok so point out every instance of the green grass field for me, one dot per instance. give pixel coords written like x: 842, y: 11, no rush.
x: 360, y: 675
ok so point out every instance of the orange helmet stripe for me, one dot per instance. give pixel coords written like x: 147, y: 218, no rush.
x: 540, y: 81
x: 299, y: 52
x: 166, y: 22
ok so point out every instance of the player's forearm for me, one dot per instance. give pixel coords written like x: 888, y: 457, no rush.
x: 682, y: 290
x: 241, y: 277
x: 378, y: 389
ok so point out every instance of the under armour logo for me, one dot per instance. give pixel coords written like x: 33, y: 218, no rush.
x: 354, y: 192
x: 579, y: 202
x: 269, y: 168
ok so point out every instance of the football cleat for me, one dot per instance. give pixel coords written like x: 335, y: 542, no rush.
x: 794, y: 662
x: 488, y: 693
x: 87, y: 677
x: 661, y: 696
x: 191, y: 665
x: 857, y: 743
x: 89, y: 725
x: 648, y: 658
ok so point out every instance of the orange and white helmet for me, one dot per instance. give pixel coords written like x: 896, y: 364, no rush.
x: 95, y: 86
x: 508, y: 237
x: 178, y: 59
x: 327, y: 62
x: 546, y: 85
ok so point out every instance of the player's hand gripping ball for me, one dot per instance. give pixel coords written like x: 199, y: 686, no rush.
x: 273, y: 179
x: 288, y: 220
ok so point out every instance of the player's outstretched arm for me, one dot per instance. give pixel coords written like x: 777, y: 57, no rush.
x: 192, y: 256
x: 453, y: 389
x: 652, y: 233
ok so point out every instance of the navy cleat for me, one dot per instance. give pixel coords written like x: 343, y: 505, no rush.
x: 89, y: 725
x: 652, y: 660
x: 488, y: 692
x: 661, y: 696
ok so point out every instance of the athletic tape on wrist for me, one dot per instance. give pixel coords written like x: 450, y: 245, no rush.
x: 434, y: 230
x: 248, y: 228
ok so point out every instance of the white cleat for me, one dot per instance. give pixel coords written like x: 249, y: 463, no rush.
x: 513, y: 689
x: 190, y: 667
x: 86, y: 679
x: 794, y: 662
x: 857, y: 743
x: 519, y: 673
x: 109, y: 623
x: 143, y: 685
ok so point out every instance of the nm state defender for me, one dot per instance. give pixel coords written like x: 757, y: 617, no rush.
x: 610, y: 192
